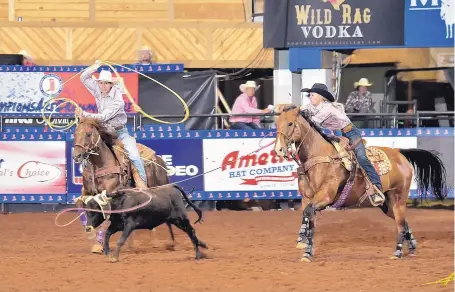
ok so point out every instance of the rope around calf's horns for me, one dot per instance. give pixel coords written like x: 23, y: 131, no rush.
x: 55, y: 127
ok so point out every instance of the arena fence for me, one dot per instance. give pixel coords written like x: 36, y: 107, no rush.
x: 36, y: 164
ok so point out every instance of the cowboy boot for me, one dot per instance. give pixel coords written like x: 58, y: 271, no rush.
x: 377, y: 198
x: 140, y: 183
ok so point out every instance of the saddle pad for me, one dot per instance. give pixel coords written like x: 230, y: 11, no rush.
x: 343, y: 153
x: 379, y: 160
x: 145, y: 152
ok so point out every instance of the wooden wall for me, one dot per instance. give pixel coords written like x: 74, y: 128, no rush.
x: 197, y: 45
x: 123, y: 10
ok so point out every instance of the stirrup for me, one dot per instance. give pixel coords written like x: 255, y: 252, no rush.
x: 377, y: 198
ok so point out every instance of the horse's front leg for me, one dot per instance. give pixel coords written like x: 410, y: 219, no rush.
x: 305, y: 240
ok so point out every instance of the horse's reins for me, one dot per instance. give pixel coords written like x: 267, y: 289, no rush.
x: 290, y: 141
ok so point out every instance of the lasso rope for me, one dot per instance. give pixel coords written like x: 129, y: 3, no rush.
x: 444, y: 281
x: 55, y: 127
x: 151, y: 188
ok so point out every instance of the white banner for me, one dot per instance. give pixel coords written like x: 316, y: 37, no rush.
x: 242, y: 170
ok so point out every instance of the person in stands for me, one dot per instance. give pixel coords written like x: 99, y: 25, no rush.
x: 145, y: 56
x: 360, y: 101
x: 27, y: 58
x: 246, y: 103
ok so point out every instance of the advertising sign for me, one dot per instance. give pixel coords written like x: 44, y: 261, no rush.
x: 183, y: 158
x: 242, y: 170
x: 333, y: 23
x: 29, y: 168
x: 27, y: 92
x: 429, y: 23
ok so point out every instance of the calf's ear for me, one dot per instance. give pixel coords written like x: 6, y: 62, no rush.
x: 116, y: 194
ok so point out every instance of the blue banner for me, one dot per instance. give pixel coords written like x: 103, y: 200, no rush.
x: 183, y: 158
x: 429, y: 23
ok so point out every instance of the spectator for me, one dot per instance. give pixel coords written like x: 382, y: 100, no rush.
x: 359, y: 101
x: 145, y: 56
x: 246, y: 103
x: 27, y: 58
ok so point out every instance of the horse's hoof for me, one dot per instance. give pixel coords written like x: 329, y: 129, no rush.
x: 412, y: 255
x: 305, y: 260
x: 301, y: 245
x: 395, y: 257
x: 112, y: 258
x: 97, y: 248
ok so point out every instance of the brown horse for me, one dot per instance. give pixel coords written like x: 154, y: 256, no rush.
x: 325, y: 170
x: 106, y: 166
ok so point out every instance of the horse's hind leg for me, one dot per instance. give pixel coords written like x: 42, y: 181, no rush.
x: 395, y: 207
x: 412, y: 242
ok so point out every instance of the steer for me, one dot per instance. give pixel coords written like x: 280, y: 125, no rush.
x: 166, y: 206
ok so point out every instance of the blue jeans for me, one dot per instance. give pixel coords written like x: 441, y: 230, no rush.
x: 129, y: 143
x: 244, y: 126
x: 362, y: 158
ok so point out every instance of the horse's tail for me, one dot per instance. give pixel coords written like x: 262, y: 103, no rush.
x: 429, y: 171
x: 198, y: 211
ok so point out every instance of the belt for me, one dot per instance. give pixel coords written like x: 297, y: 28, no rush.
x: 119, y: 128
x: 347, y: 128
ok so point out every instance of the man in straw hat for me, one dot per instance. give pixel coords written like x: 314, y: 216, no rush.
x: 112, y: 115
x: 144, y: 56
x: 359, y: 101
x: 323, y: 112
x: 246, y: 103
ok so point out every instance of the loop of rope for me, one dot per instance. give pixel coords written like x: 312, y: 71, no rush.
x: 100, y: 211
x: 55, y: 127
x: 151, y: 188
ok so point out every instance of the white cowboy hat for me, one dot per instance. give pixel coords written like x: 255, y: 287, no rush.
x: 145, y: 48
x: 248, y: 84
x: 26, y: 54
x: 105, y: 76
x: 362, y: 82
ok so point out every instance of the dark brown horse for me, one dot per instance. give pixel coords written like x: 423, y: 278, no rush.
x: 324, y: 174
x: 106, y: 166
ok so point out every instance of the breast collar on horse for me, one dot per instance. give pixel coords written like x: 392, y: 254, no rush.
x: 90, y: 149
x: 307, y: 165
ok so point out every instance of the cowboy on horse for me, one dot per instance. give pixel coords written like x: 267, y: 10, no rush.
x: 325, y: 114
x: 111, y: 114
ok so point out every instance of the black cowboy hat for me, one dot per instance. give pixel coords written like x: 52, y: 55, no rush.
x: 321, y: 89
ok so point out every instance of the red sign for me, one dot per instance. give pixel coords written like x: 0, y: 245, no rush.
x: 74, y: 89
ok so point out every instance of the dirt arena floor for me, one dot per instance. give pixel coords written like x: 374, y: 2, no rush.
x: 249, y: 251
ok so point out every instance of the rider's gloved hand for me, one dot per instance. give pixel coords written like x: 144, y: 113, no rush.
x: 96, y: 65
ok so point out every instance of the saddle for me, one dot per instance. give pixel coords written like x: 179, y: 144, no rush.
x: 377, y: 157
x: 125, y: 169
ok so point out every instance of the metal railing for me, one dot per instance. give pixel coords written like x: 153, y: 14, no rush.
x: 416, y: 117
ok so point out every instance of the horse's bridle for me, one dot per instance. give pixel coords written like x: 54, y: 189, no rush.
x: 289, y: 140
x: 91, y: 149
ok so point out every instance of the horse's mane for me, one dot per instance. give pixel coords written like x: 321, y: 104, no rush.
x: 306, y: 115
x: 106, y: 136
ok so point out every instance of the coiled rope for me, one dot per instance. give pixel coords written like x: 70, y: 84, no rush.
x: 136, y: 107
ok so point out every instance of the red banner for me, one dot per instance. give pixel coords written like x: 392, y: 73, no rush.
x: 75, y: 90
x: 275, y: 178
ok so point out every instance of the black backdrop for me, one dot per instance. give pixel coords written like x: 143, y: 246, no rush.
x: 198, y: 89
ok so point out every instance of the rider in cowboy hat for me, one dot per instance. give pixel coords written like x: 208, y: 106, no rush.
x: 326, y: 114
x: 111, y: 113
